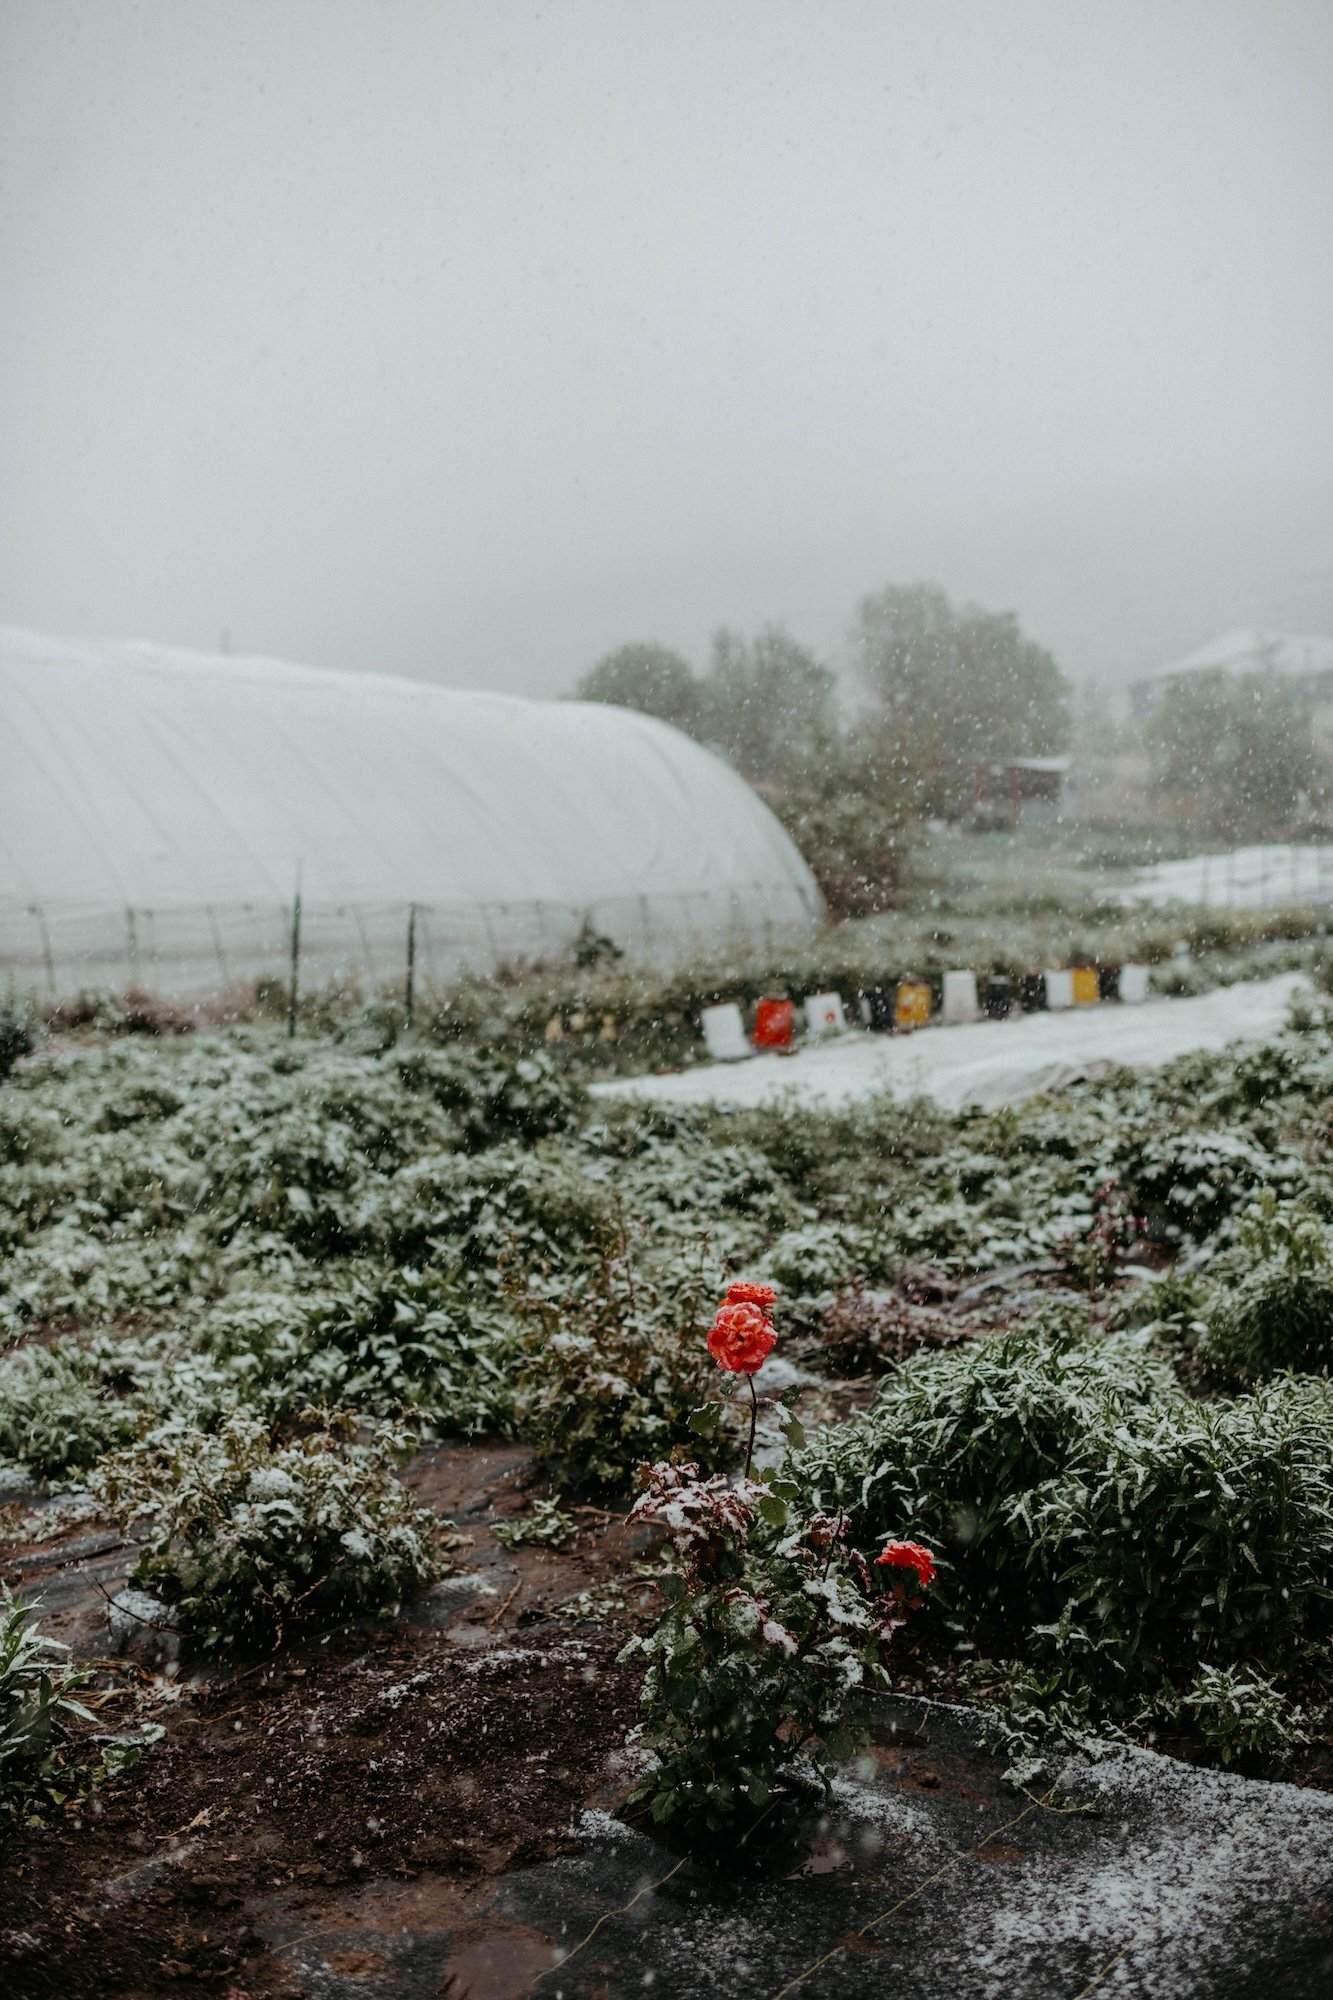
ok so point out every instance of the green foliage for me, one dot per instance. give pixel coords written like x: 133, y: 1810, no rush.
x: 17, y: 1033
x: 955, y: 1439
x: 37, y: 1694
x: 770, y: 1629
x: 767, y: 702
x: 1274, y: 1309
x: 820, y: 1257
x: 250, y: 1535
x: 1028, y: 1713
x: 846, y: 801
x: 650, y: 678
x: 615, y: 1372
x: 546, y: 1525
x: 1235, y: 755
x: 1112, y: 1534
x: 1190, y: 1183
x: 385, y: 1339
x: 762, y: 702
x: 492, y: 1097
x: 1243, y: 1716
x: 59, y: 1410
x: 1190, y: 1532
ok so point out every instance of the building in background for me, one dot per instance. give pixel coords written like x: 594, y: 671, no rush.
x: 1303, y: 665
x: 1022, y: 791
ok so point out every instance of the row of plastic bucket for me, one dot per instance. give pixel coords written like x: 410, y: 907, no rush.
x: 900, y: 1006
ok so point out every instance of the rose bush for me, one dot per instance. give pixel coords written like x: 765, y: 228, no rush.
x: 772, y: 1627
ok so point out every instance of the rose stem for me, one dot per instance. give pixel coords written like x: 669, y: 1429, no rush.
x: 754, y: 1417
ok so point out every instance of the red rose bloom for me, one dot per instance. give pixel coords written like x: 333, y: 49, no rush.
x: 763, y: 1296
x: 909, y: 1555
x: 741, y: 1338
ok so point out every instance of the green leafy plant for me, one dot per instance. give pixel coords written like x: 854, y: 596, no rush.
x: 249, y: 1535
x: 613, y: 1373
x: 59, y: 1411
x: 546, y: 1524
x: 956, y: 1437
x: 1188, y: 1532
x: 1243, y: 1716
x: 1275, y: 1311
x: 17, y: 1033
x: 1030, y: 1713
x: 37, y: 1696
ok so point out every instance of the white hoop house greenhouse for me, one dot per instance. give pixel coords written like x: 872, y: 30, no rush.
x: 160, y: 811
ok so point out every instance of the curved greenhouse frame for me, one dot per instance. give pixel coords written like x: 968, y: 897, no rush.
x: 160, y: 809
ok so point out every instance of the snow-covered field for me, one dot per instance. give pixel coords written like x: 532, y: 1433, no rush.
x: 1243, y: 878
x: 986, y: 1062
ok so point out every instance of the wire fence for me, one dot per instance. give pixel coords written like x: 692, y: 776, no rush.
x: 192, y: 951
x: 1265, y: 877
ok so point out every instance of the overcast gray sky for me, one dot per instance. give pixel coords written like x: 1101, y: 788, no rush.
x: 467, y: 340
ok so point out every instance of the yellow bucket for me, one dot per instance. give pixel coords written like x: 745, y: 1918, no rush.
x: 913, y: 1005
x: 1087, y: 988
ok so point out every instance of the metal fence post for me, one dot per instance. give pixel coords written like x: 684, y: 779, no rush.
x: 296, y: 965
x: 409, y: 995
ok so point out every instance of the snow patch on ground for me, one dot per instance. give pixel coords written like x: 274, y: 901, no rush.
x: 1182, y: 1886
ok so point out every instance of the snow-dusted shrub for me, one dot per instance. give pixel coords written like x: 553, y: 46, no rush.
x: 736, y: 1187
x: 1243, y: 1715
x: 1189, y: 1532
x: 1190, y: 1184
x: 493, y: 1095
x: 17, y: 1033
x: 1274, y: 1309
x: 821, y: 1258
x: 772, y: 1626
x: 615, y: 1373
x: 59, y: 1410
x: 384, y: 1339
x: 473, y: 1214
x: 955, y: 1437
x: 249, y: 1535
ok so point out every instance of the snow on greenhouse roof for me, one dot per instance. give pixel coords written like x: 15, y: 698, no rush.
x: 148, y: 780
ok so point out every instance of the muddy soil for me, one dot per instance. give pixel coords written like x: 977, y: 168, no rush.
x: 434, y: 1752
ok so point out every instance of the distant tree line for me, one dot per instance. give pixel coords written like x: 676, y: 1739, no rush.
x: 1236, y: 757
x: 941, y: 690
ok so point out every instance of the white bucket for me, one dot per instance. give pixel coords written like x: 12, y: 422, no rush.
x: 724, y: 1033
x: 1059, y: 989
x: 824, y: 1015
x: 960, y: 997
x: 1133, y: 984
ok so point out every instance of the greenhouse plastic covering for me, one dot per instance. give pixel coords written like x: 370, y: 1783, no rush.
x: 159, y: 810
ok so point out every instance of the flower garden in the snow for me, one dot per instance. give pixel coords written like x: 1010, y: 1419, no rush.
x: 404, y: 1453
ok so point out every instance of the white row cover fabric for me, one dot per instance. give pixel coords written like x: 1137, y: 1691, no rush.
x: 986, y: 1062
x: 158, y: 809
